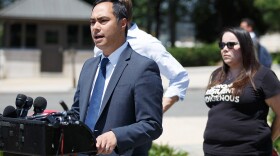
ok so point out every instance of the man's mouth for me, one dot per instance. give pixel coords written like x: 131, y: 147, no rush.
x: 98, y: 36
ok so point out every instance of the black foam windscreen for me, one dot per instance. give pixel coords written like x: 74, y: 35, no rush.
x: 40, y: 104
x: 28, y: 103
x: 10, y: 112
x: 20, y: 100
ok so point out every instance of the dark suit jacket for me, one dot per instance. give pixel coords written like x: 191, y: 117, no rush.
x: 132, y: 103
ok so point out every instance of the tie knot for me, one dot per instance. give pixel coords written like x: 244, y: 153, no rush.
x: 104, y: 62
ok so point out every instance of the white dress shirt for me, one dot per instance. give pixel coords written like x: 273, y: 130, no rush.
x: 110, y: 67
x: 149, y: 46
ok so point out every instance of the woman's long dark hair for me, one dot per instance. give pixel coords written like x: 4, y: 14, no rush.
x: 250, y: 63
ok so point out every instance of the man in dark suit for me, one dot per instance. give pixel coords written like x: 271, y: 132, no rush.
x: 130, y: 111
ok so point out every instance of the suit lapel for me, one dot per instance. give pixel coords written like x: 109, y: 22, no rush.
x: 88, y: 85
x: 119, y: 69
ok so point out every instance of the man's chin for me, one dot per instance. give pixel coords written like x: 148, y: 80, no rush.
x: 98, y: 44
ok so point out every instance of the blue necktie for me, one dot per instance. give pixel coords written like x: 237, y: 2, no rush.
x: 95, y: 101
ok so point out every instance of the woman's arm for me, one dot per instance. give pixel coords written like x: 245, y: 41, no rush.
x: 274, y: 103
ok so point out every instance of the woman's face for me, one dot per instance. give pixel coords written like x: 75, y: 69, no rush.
x: 230, y: 50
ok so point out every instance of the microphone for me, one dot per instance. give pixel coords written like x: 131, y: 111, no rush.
x: 20, y: 101
x: 64, y: 113
x: 63, y: 105
x: 56, y: 119
x: 28, y: 104
x: 40, y: 104
x: 54, y: 114
x: 10, y: 112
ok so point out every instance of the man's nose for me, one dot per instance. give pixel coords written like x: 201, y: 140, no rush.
x: 95, y: 27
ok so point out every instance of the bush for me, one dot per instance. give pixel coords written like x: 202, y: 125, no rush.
x: 276, y: 57
x: 165, y: 150
x: 200, y: 55
x: 276, y: 60
x: 204, y: 55
x: 271, y: 116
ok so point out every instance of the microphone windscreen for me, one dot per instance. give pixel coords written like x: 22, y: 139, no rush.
x: 10, y: 112
x: 40, y: 104
x: 28, y: 103
x: 20, y: 100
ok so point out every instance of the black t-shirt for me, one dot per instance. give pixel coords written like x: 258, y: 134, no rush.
x: 237, y: 125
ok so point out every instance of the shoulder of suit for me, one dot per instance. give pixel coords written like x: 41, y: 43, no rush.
x: 92, y: 59
x: 139, y: 57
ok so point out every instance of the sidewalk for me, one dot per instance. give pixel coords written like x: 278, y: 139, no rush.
x: 198, y: 79
x: 37, y: 84
x: 183, y: 133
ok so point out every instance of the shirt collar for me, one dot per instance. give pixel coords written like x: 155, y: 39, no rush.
x: 114, y: 57
x: 252, y: 34
x: 132, y: 30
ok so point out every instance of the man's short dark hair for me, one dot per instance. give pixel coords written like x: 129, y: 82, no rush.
x: 249, y: 22
x: 119, y: 8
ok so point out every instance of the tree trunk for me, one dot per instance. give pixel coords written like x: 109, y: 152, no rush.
x: 172, y: 21
x: 149, y: 18
x: 158, y: 18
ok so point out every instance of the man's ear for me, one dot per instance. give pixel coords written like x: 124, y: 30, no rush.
x: 124, y: 23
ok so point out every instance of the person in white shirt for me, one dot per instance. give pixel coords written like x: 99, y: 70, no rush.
x: 149, y: 46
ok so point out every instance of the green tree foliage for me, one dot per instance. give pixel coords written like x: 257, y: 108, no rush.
x: 140, y: 13
x: 270, y: 11
x: 211, y: 16
x: 150, y: 15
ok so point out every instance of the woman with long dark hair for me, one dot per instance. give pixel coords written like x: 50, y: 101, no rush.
x: 239, y: 95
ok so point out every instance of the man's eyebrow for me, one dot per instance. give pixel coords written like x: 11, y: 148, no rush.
x: 102, y: 17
